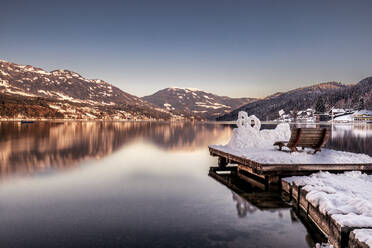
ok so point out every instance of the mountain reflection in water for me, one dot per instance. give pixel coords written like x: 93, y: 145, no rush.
x: 50, y: 145
x: 45, y: 145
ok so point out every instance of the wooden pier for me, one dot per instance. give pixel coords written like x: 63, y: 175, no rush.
x: 272, y: 173
x: 270, y: 176
x: 338, y: 235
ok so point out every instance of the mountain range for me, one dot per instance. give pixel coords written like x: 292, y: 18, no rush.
x: 31, y: 92
x: 334, y: 94
x: 195, y: 103
x: 27, y: 91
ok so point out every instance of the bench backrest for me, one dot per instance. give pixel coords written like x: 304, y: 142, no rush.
x: 308, y: 137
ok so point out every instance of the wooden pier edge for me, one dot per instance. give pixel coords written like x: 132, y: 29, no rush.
x: 339, y: 236
x: 284, y: 170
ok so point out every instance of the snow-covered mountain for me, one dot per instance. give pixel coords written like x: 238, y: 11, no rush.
x: 69, y: 94
x: 334, y: 94
x: 194, y: 102
x: 60, y: 84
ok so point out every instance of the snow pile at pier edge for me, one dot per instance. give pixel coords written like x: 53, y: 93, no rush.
x: 346, y: 197
x: 364, y: 235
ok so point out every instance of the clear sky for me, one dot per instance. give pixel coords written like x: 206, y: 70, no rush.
x: 236, y: 48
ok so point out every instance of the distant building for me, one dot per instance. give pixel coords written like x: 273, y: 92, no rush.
x: 310, y: 112
x: 363, y: 115
x: 306, y: 115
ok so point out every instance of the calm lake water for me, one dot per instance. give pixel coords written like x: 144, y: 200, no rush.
x: 125, y: 184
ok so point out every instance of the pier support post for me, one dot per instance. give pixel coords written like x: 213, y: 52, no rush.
x: 222, y: 162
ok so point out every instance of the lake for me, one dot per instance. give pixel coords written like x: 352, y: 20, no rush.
x: 138, y: 184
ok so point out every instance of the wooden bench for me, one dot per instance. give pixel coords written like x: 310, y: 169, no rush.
x: 314, y: 138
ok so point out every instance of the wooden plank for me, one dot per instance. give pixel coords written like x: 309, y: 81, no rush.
x: 298, y: 137
x: 314, y: 167
x: 324, y: 139
x: 317, y: 132
x: 234, y: 158
x: 286, y: 191
x: 310, y: 139
x: 252, y: 181
x: 302, y: 202
x: 286, y: 187
x: 295, y: 192
x: 250, y: 171
x: 321, y: 221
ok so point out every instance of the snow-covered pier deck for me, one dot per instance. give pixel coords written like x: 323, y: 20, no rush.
x: 273, y: 165
x: 252, y: 149
x: 340, y: 205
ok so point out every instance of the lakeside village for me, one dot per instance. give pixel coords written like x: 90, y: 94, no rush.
x: 333, y: 115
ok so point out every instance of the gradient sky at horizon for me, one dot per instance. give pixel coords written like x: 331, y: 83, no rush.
x: 234, y: 48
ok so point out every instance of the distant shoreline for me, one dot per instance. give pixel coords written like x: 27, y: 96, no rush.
x: 83, y: 120
x: 177, y: 121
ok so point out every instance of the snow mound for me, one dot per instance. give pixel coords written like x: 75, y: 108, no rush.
x: 246, y: 136
x: 346, y: 197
